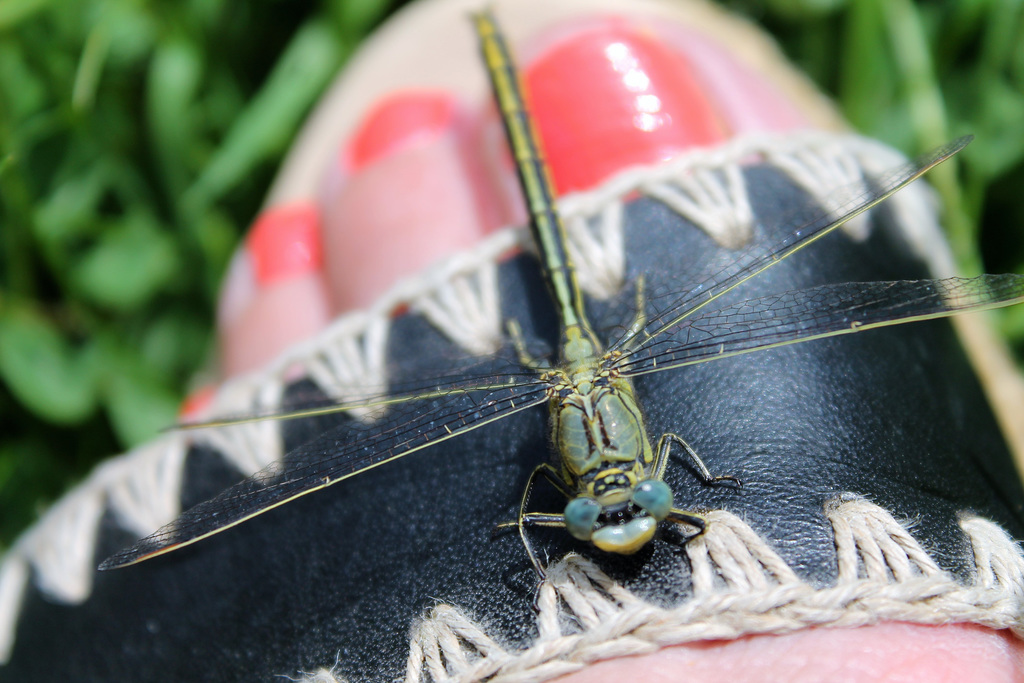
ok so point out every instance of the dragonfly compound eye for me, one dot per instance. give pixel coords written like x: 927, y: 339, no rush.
x: 655, y: 497
x: 580, y: 516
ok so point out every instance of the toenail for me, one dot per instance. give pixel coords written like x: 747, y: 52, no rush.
x: 197, y: 402
x: 612, y: 95
x: 285, y: 242
x: 397, y: 122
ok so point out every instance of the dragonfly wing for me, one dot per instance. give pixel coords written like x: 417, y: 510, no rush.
x: 845, y: 205
x: 817, y: 312
x: 328, y: 460
x: 483, y: 377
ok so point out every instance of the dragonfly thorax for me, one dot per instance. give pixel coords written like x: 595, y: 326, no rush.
x: 596, y: 423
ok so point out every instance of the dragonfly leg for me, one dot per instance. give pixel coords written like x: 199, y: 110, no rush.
x: 691, y: 518
x: 538, y: 518
x: 661, y: 460
x: 549, y: 519
x: 519, y: 343
x: 629, y: 338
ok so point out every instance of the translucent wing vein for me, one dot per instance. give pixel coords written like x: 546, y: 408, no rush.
x: 846, y: 204
x: 331, y: 458
x: 814, y: 313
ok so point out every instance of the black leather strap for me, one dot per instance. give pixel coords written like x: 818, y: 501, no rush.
x: 895, y: 415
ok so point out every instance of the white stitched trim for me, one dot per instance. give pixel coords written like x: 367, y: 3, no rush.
x: 447, y: 640
x: 828, y: 172
x: 715, y: 199
x: 142, y: 488
x: 871, y: 544
x: 249, y: 446
x: 915, y: 209
x: 997, y: 557
x: 466, y: 308
x: 321, y: 675
x: 596, y: 248
x: 13, y: 584
x: 61, y: 551
x: 348, y: 362
x: 884, y: 575
x: 734, y: 558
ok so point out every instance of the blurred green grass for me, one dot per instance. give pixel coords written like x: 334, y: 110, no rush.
x: 137, y: 141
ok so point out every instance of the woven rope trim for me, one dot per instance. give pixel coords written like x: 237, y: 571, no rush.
x: 458, y: 296
x: 741, y: 587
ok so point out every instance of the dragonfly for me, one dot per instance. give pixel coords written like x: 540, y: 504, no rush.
x: 605, y: 463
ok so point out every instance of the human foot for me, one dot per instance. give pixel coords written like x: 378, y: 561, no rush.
x: 339, y: 577
x: 439, y: 155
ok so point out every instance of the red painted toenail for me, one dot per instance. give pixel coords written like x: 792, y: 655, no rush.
x: 612, y: 96
x: 285, y: 242
x: 196, y: 403
x: 397, y: 121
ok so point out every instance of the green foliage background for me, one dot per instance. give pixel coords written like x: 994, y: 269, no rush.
x: 137, y: 140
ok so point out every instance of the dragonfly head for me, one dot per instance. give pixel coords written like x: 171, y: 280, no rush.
x: 623, y: 524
